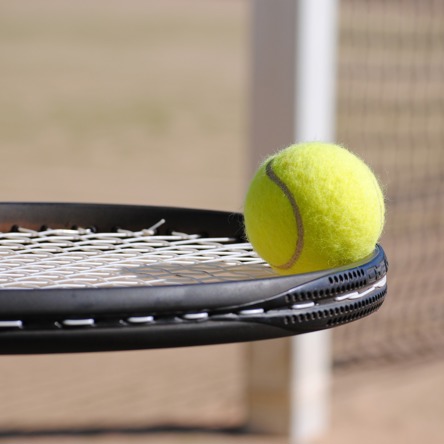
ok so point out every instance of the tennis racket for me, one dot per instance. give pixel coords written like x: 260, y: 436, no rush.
x: 86, y: 277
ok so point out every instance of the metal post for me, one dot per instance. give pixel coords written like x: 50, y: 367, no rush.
x: 293, y: 99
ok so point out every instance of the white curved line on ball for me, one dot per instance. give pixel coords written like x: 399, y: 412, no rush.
x: 297, y: 215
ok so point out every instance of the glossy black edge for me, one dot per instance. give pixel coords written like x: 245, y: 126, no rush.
x: 269, y: 292
x: 108, y: 217
x: 217, y: 330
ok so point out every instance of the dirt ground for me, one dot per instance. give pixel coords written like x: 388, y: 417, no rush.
x: 146, y: 102
x: 128, y: 397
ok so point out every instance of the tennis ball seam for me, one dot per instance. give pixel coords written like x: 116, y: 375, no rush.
x: 297, y: 215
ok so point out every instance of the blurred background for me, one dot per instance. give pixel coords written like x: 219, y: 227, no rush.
x: 147, y: 102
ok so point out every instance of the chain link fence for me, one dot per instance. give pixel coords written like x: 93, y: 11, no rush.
x: 391, y: 111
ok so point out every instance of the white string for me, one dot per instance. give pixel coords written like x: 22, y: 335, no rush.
x: 56, y: 258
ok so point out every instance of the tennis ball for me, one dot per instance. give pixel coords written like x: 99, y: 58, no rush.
x: 313, y: 206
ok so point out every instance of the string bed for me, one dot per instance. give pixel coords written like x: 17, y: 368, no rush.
x: 82, y: 257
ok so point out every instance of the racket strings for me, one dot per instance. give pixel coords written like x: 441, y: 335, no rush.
x: 82, y: 257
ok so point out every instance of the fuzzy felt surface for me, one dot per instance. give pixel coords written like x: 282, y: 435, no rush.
x: 313, y: 206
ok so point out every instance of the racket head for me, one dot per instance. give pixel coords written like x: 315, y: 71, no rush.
x: 243, y: 301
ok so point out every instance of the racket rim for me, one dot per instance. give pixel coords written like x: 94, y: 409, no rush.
x: 65, y: 320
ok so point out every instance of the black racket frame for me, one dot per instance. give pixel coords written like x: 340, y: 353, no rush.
x: 177, y: 315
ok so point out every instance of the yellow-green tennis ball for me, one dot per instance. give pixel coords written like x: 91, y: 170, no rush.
x: 313, y: 206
